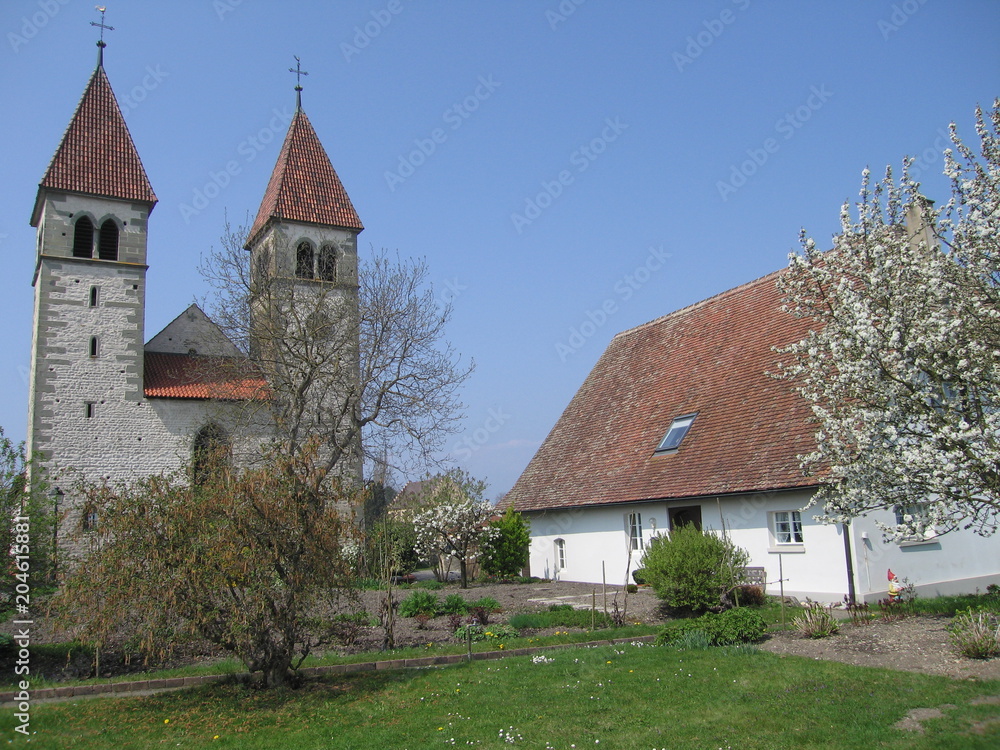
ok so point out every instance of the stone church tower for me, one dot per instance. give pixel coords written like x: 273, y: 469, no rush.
x: 104, y: 405
x: 91, y: 214
x: 303, y: 247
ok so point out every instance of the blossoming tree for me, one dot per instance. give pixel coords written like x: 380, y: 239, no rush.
x: 902, y: 368
x: 454, y: 520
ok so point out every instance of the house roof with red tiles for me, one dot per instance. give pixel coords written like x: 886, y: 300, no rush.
x: 712, y: 360
x: 96, y: 155
x: 170, y: 375
x: 304, y: 186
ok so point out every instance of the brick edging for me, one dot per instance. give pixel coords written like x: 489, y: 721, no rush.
x: 170, y: 683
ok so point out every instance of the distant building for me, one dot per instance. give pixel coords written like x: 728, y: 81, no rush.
x: 680, y: 422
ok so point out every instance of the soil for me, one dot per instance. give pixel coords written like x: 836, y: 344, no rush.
x: 914, y: 644
x: 918, y: 644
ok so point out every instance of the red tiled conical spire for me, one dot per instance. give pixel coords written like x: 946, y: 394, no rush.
x: 304, y: 185
x: 97, y: 155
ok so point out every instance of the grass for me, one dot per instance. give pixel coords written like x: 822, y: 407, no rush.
x: 234, y: 666
x: 624, y: 697
x: 952, y: 605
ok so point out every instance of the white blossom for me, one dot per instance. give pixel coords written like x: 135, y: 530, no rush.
x: 902, y: 369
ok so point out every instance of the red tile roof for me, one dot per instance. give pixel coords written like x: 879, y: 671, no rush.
x: 711, y: 358
x: 201, y: 377
x: 304, y: 185
x: 97, y: 155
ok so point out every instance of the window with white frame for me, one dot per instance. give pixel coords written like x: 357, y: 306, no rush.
x: 917, y: 517
x: 633, y: 525
x: 786, y: 527
x: 560, y: 553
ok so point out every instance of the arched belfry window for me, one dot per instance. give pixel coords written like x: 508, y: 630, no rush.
x: 210, y: 453
x: 327, y: 265
x: 107, y: 246
x: 83, y: 238
x: 304, y: 260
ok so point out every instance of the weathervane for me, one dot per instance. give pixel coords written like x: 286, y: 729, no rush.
x: 101, y: 25
x: 297, y: 70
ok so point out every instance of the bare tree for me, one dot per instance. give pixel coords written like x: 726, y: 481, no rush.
x: 364, y: 369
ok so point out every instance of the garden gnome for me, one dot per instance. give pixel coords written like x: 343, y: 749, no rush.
x: 894, y: 587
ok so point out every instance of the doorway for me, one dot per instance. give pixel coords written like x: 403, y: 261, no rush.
x: 690, y: 514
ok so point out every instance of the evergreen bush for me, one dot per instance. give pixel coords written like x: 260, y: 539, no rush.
x: 419, y: 602
x: 692, y: 570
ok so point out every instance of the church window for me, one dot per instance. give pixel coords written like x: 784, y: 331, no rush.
x: 94, y: 294
x: 304, y: 261
x: 83, y: 238
x: 107, y: 248
x: 94, y: 348
x: 560, y: 554
x: 328, y: 263
x: 210, y: 454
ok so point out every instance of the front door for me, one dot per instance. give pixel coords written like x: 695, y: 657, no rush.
x: 688, y: 514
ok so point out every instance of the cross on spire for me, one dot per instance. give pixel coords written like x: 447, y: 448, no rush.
x: 297, y: 70
x: 102, y: 26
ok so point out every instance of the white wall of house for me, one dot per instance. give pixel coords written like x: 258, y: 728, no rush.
x: 812, y: 563
x: 958, y: 562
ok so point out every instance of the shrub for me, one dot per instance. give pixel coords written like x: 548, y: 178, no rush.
x: 639, y: 576
x: 346, y: 627
x: 505, y: 552
x: 730, y: 628
x: 632, y: 588
x: 454, y: 604
x: 419, y: 602
x: 740, y: 625
x: 389, y: 549
x: 816, y: 621
x: 479, y: 615
x: 751, y: 596
x: 479, y: 633
x: 976, y: 634
x: 692, y: 570
x: 488, y: 603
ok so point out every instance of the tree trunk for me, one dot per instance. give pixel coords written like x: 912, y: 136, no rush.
x: 465, y: 575
x: 277, y: 671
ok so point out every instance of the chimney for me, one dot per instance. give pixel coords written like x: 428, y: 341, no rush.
x: 918, y: 230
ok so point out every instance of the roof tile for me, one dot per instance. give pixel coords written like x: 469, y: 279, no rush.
x: 96, y: 154
x: 712, y: 358
x: 304, y: 185
x: 201, y: 377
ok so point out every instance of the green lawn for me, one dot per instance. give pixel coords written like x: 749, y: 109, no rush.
x: 624, y: 697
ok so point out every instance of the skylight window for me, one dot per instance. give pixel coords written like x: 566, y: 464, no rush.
x: 678, y: 429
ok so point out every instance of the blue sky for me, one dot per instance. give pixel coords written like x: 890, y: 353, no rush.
x: 568, y: 170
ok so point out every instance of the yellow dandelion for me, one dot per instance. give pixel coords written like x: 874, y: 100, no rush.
x: 166, y: 721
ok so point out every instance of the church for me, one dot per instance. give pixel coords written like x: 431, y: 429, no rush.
x: 105, y: 403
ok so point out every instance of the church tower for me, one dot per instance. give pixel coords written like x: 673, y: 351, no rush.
x: 91, y: 213
x: 303, y: 249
